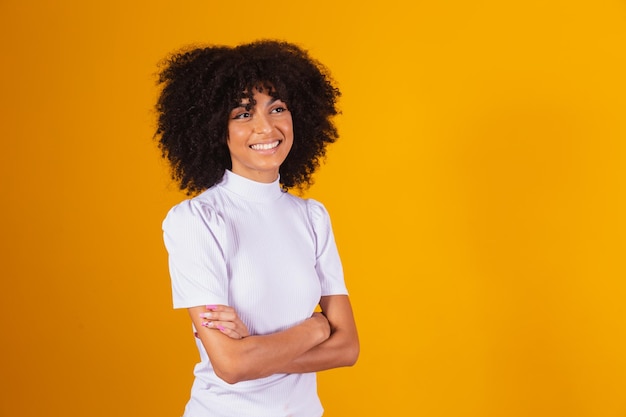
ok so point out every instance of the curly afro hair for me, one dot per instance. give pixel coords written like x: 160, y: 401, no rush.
x: 200, y: 87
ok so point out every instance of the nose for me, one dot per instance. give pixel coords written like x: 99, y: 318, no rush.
x: 262, y: 124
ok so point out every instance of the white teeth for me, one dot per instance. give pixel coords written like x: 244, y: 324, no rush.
x: 265, y: 146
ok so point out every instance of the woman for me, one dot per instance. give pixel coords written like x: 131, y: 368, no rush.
x: 251, y: 262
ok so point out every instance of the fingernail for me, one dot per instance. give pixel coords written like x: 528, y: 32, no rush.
x: 221, y: 327
x: 211, y: 307
x: 205, y: 315
x: 205, y: 324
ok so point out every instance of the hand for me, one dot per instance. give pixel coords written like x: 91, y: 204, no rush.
x: 323, y: 324
x: 224, y: 319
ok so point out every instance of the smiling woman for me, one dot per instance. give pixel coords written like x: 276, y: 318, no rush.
x: 249, y: 261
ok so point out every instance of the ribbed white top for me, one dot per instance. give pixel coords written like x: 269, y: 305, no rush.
x: 268, y: 254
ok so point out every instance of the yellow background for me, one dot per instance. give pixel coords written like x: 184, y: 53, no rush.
x: 477, y: 194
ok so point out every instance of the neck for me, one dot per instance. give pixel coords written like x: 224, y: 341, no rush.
x: 265, y: 177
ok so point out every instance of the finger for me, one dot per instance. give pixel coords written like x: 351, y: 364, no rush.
x: 222, y: 314
x: 217, y: 307
x: 218, y: 325
x: 226, y: 328
x: 219, y: 316
x: 230, y: 333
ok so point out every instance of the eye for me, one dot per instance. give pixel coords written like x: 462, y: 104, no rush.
x: 241, y: 115
x: 279, y: 109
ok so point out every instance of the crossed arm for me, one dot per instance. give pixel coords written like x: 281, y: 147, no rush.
x: 326, y: 340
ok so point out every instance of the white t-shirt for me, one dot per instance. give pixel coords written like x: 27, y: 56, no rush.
x: 271, y: 256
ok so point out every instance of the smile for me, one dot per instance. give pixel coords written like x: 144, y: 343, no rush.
x: 265, y: 146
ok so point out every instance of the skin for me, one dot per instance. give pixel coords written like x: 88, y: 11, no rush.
x: 267, y: 125
x: 241, y: 359
x: 326, y: 340
x: 340, y: 348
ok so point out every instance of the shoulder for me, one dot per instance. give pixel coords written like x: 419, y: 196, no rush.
x: 199, y: 209
x: 316, y: 210
x: 313, y: 208
x: 318, y: 216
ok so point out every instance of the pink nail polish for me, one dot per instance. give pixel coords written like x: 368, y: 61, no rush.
x: 221, y: 327
x: 205, y: 324
x: 211, y: 307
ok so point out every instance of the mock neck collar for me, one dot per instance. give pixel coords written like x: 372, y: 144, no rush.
x: 251, y: 190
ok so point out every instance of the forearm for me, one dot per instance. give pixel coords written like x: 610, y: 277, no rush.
x: 337, y: 351
x: 254, y: 357
x: 340, y: 349
x: 260, y: 356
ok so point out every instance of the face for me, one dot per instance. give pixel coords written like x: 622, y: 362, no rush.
x: 259, y: 139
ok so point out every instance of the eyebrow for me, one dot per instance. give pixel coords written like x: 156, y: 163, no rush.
x: 269, y: 103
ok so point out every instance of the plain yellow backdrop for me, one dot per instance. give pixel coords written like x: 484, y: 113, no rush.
x: 477, y: 195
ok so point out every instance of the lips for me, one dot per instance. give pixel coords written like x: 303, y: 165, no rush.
x: 265, y: 146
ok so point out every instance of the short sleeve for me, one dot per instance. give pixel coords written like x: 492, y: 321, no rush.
x: 193, y: 235
x: 328, y: 264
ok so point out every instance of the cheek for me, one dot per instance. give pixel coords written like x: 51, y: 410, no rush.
x: 287, y: 128
x: 234, y: 136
